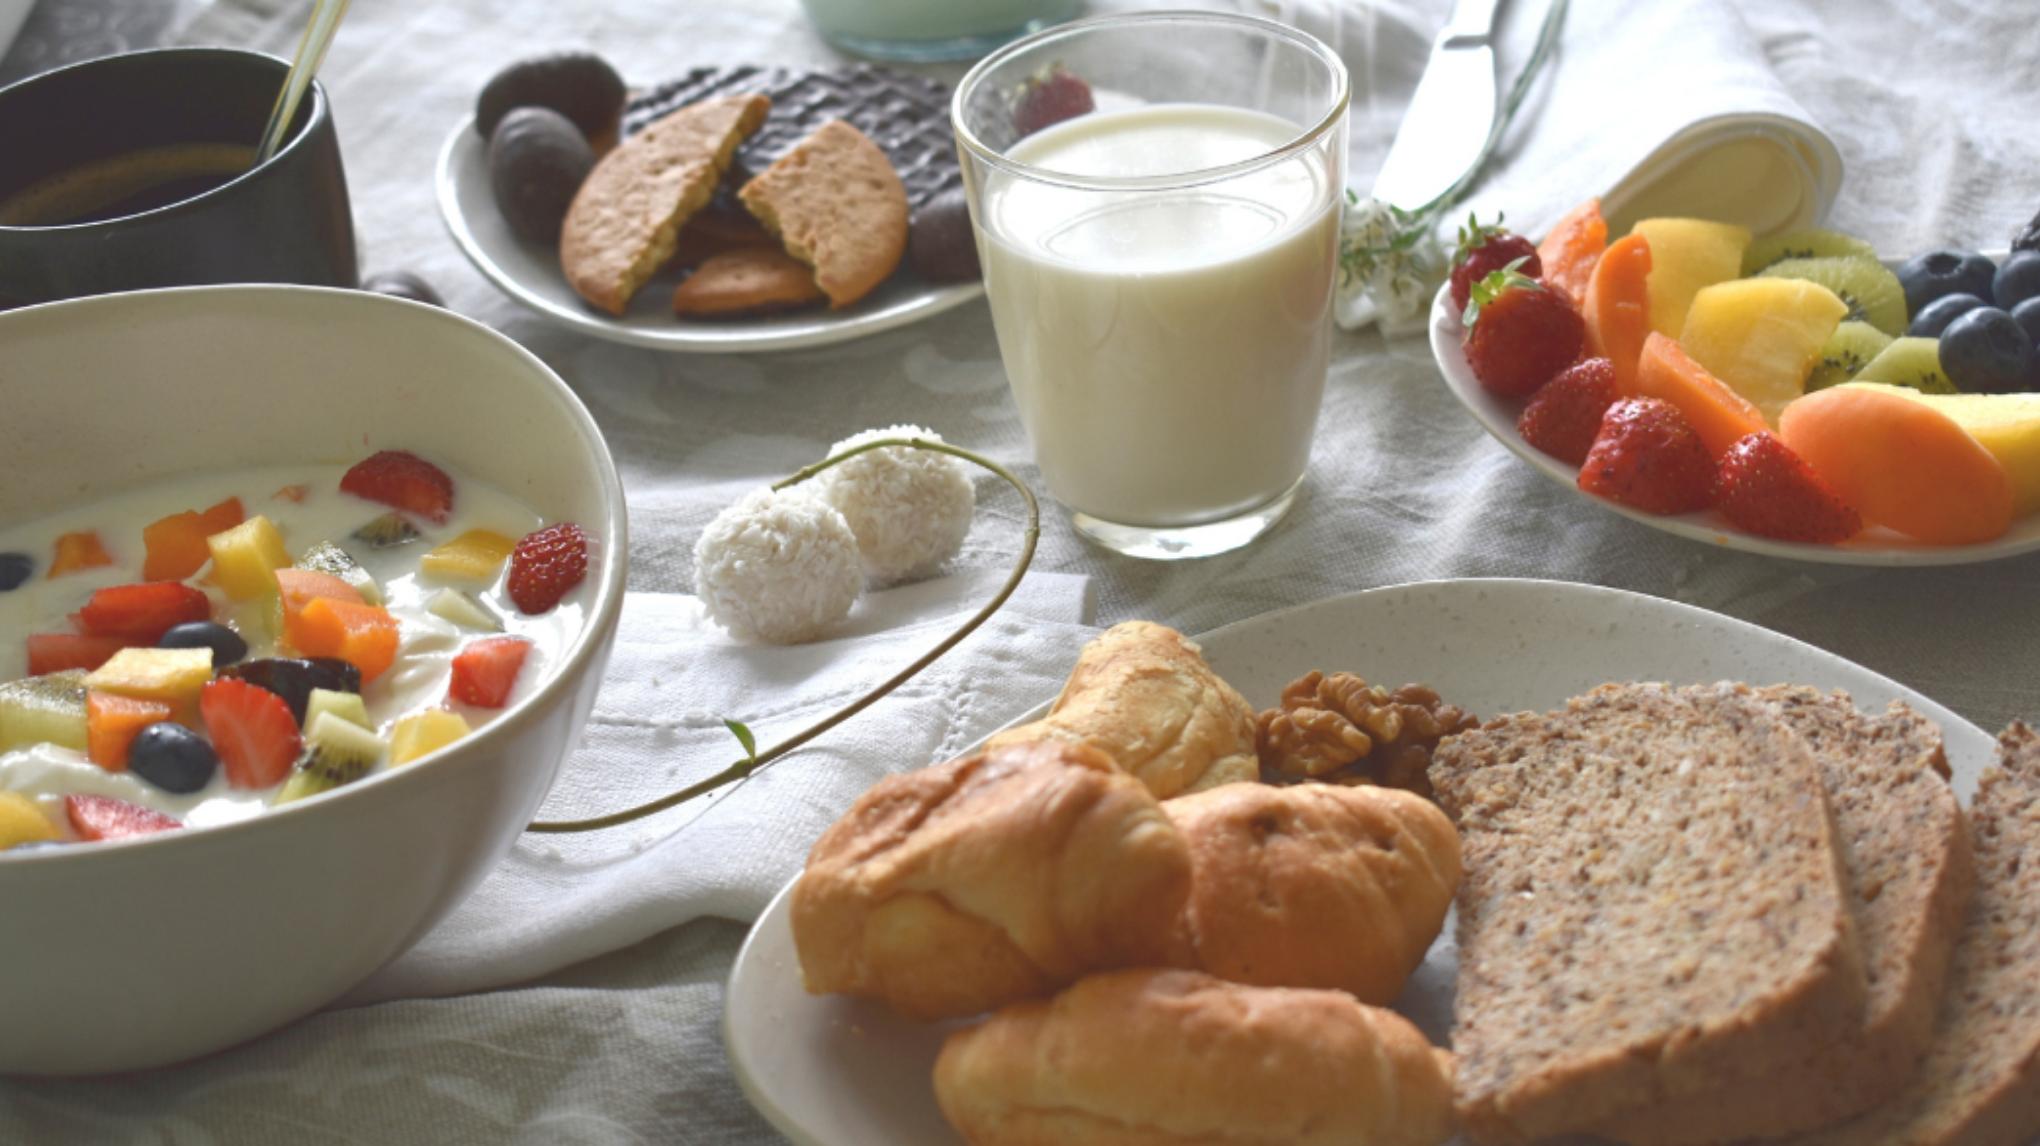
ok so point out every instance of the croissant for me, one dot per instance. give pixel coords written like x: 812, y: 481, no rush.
x: 1177, y: 1058
x: 1000, y: 876
x: 1316, y: 885
x: 1143, y: 695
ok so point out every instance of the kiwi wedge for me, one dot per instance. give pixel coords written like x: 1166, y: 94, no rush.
x: 330, y: 559
x: 43, y: 708
x: 337, y: 751
x: 387, y: 532
x: 1866, y: 285
x: 1803, y: 245
x: 1914, y: 362
x: 1847, y: 351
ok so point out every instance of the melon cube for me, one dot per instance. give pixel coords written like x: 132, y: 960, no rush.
x: 1687, y: 256
x: 474, y: 556
x: 173, y: 676
x: 1762, y: 336
x: 246, y: 558
x: 423, y: 732
x: 22, y: 821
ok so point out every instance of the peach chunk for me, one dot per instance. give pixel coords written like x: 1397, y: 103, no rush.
x: 1569, y: 253
x: 1618, y: 309
x: 1904, y: 465
x: 1718, y: 414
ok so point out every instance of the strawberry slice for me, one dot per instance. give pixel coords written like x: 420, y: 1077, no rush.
x: 55, y: 652
x: 142, y: 613
x: 1648, y: 456
x: 252, y: 730
x: 1564, y: 416
x: 546, y: 566
x: 486, y: 671
x: 402, y: 480
x: 105, y: 818
x: 1766, y: 489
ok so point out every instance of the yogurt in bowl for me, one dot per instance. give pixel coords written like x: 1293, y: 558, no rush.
x: 126, y: 409
x: 82, y: 588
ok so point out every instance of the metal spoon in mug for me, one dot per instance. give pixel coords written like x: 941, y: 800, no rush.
x: 311, y: 52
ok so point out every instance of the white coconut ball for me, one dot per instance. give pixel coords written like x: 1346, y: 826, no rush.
x: 909, y: 508
x: 777, y: 566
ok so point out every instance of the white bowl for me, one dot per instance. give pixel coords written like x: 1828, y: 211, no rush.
x: 143, y: 952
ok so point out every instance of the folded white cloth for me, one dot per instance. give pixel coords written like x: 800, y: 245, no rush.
x: 658, y: 725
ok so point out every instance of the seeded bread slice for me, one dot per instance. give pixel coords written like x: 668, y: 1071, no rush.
x: 1909, y: 876
x: 1652, y: 908
x: 1980, y: 1082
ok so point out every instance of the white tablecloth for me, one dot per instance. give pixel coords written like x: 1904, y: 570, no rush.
x: 1931, y: 108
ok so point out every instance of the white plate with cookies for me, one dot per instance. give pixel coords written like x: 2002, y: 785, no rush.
x: 530, y: 273
x: 838, y: 1071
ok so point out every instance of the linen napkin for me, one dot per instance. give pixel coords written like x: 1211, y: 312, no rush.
x: 658, y: 725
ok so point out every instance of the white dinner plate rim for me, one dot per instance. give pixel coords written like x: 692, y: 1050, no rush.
x: 734, y: 337
x: 1498, y: 418
x: 787, y: 1124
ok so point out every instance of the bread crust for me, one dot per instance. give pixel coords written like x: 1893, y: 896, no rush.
x: 1177, y: 1058
x: 1909, y: 873
x: 1314, y: 885
x: 1653, y: 907
x: 999, y: 876
x: 1143, y: 694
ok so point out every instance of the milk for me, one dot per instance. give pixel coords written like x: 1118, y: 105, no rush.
x: 1167, y: 347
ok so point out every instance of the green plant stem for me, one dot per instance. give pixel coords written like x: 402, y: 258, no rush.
x: 750, y: 764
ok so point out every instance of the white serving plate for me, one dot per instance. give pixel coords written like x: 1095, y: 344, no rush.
x: 1872, y: 547
x: 530, y: 273
x: 843, y: 1072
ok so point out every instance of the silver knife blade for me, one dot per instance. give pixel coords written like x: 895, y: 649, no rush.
x: 1451, y: 114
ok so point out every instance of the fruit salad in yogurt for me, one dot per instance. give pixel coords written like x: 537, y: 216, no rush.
x: 197, y: 651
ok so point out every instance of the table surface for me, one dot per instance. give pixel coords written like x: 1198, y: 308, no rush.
x: 1403, y: 486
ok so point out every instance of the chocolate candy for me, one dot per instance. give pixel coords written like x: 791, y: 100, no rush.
x: 939, y: 241
x: 578, y: 85
x: 906, y: 115
x: 537, y: 160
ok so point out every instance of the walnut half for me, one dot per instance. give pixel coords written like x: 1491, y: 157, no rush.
x: 1341, y: 729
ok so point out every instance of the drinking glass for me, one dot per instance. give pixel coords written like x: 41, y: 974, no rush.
x: 1160, y: 268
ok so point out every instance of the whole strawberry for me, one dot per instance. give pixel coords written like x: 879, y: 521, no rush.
x: 1519, y: 334
x: 1050, y: 96
x: 1485, y: 248
x: 1766, y: 489
x: 546, y: 565
x: 1647, y: 456
x: 1564, y: 416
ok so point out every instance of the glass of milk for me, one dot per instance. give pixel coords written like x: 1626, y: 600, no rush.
x: 1160, y: 268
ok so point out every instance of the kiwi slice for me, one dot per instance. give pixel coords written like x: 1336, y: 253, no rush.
x: 337, y: 752
x: 387, y: 532
x: 1803, y: 245
x: 1914, y: 362
x: 1847, y: 351
x: 43, y: 709
x: 1870, y: 290
x: 330, y: 559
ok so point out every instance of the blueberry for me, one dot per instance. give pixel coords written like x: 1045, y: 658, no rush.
x: 226, y: 644
x: 294, y: 679
x: 14, y: 569
x: 172, y: 757
x: 402, y: 284
x: 1939, y: 273
x: 1934, y: 317
x: 1986, y: 352
x: 2017, y: 280
x: 2027, y: 315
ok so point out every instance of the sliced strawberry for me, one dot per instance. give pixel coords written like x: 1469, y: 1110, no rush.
x: 142, y: 613
x: 112, y: 723
x: 486, y: 671
x: 1485, y: 248
x: 546, y: 566
x: 1520, y: 334
x: 402, y: 480
x: 252, y: 730
x: 105, y: 818
x: 1648, y: 456
x: 55, y: 652
x: 1564, y: 416
x: 1768, y: 490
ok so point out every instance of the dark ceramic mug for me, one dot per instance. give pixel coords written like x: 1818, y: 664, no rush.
x: 286, y: 221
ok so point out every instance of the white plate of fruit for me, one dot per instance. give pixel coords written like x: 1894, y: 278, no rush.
x: 1793, y: 396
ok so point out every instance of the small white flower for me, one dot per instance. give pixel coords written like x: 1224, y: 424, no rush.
x: 777, y: 566
x: 910, y: 509
x: 1390, y: 265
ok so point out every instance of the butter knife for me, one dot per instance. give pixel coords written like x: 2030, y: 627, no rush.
x: 1444, y: 134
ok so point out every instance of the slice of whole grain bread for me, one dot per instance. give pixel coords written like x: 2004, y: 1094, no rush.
x: 1979, y: 1084
x: 1652, y: 907
x: 1909, y: 874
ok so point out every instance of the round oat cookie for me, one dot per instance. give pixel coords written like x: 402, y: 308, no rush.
x: 837, y: 204
x: 746, y: 281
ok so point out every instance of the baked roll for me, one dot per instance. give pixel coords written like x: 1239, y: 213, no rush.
x: 1177, y: 1058
x: 1000, y: 876
x: 1142, y: 694
x: 1316, y: 885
